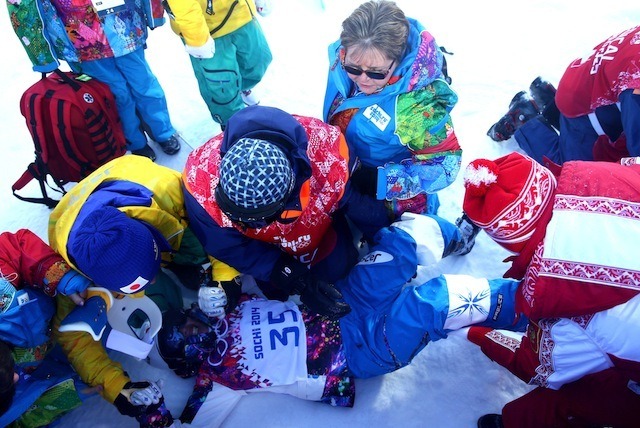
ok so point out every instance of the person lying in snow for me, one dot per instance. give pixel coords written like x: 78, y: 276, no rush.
x: 267, y: 345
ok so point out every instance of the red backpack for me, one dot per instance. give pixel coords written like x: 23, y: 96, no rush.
x: 75, y: 129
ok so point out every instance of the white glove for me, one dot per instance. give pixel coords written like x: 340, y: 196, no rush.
x: 263, y: 7
x: 147, y: 396
x: 212, y: 301
x: 205, y: 51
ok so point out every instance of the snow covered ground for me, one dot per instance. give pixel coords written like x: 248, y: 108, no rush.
x: 499, y: 48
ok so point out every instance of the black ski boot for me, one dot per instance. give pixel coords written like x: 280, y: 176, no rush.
x: 146, y: 151
x: 521, y: 109
x: 543, y: 93
x: 468, y: 232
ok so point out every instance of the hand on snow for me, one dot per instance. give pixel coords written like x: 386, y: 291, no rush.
x: 205, y: 51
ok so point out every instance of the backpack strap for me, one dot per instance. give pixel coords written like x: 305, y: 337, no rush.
x: 36, y: 129
x: 68, y: 80
x: 33, y: 172
x: 104, y: 127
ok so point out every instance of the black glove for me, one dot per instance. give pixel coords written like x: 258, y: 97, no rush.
x: 135, y: 397
x: 286, y: 273
x: 322, y: 298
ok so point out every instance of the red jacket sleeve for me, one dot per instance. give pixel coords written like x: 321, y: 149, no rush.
x: 27, y: 261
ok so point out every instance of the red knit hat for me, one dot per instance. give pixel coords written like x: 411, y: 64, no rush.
x: 506, y: 197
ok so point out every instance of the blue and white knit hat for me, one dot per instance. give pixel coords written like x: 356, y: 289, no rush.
x: 256, y: 179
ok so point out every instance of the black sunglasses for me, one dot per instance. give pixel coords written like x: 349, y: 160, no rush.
x: 375, y: 75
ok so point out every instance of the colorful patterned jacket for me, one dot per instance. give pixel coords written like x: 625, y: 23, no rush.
x: 321, y: 163
x: 54, y: 30
x: 407, y: 120
x: 272, y: 346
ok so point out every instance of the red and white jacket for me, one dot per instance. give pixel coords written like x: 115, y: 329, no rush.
x: 598, y: 78
x: 322, y: 168
x: 581, y: 280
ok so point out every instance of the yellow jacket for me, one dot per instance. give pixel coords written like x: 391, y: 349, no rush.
x: 87, y: 356
x: 166, y: 213
x: 191, y: 21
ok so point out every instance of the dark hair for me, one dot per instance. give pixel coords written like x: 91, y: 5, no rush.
x: 7, y: 370
x: 379, y: 25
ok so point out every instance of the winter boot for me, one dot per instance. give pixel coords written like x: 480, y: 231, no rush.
x: 145, y: 151
x: 172, y: 145
x: 521, y: 109
x: 543, y: 93
x: 490, y: 421
x: 468, y: 232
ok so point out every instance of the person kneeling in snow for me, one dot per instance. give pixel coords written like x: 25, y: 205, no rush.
x: 117, y: 227
x: 37, y: 383
x: 267, y: 345
x: 574, y: 231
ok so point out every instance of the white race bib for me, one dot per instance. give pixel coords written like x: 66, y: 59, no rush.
x: 274, y: 341
x: 105, y: 7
